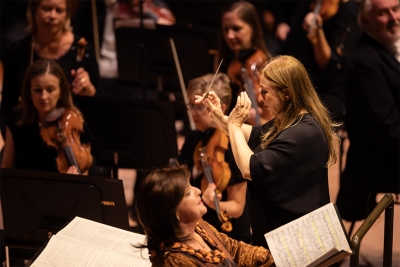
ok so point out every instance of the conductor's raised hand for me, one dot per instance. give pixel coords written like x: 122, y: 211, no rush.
x: 212, y: 103
x: 241, y: 111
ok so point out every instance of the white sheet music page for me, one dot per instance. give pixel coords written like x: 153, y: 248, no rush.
x: 87, y: 243
x: 304, y: 241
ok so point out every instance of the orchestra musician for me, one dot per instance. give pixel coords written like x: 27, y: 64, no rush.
x: 285, y: 159
x: 243, y: 49
x: 45, y: 90
x: 323, y: 34
x: 181, y: 237
x: 230, y: 184
x: 50, y: 37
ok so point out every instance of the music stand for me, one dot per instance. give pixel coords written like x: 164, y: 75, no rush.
x: 37, y: 205
x: 145, y: 58
x: 130, y: 133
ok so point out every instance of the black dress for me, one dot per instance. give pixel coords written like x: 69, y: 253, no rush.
x: 289, y: 176
x: 18, y: 60
x: 240, y: 226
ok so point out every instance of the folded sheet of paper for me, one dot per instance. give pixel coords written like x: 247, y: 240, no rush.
x: 315, y: 239
x: 87, y: 243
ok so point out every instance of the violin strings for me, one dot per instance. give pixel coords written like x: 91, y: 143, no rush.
x: 209, y: 177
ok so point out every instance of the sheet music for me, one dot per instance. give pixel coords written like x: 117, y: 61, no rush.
x: 86, y: 243
x: 305, y: 240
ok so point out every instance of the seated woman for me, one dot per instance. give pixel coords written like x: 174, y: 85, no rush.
x: 50, y: 37
x: 181, y: 237
x: 29, y: 144
x: 225, y: 174
x: 285, y: 159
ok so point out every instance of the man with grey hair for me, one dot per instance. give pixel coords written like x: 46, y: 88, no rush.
x: 372, y: 120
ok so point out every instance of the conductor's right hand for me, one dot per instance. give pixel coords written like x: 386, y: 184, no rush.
x: 212, y: 103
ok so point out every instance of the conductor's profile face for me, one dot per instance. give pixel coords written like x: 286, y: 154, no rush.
x: 270, y: 96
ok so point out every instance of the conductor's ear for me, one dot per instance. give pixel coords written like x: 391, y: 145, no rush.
x: 287, y: 94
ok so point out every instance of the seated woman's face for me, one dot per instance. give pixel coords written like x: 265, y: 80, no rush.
x: 237, y: 33
x: 51, y: 15
x: 45, y: 93
x: 191, y: 208
x: 201, y: 119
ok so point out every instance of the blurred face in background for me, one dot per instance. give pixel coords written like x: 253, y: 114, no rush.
x: 51, y: 15
x: 383, y: 20
x: 202, y: 120
x: 237, y: 33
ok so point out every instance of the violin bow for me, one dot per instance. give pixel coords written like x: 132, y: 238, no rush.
x: 208, y: 91
x: 317, y: 8
x: 181, y: 81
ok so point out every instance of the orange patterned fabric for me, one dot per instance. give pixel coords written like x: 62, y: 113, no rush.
x: 242, y: 254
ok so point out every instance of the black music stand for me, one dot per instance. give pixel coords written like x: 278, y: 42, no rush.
x: 130, y: 133
x: 145, y: 57
x: 37, y: 205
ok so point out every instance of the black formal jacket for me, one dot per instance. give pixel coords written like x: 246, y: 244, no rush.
x: 372, y: 121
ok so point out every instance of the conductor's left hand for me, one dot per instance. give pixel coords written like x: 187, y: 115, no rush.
x: 241, y: 111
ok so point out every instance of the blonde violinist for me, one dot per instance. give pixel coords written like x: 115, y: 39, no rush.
x: 50, y: 37
x: 206, y: 152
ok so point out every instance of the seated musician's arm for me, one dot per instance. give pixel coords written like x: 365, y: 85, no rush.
x: 8, y: 160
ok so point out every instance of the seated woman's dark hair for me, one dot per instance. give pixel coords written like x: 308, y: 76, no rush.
x: 158, y: 197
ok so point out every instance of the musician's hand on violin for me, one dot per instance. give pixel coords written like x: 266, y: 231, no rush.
x: 72, y: 170
x: 212, y: 104
x: 241, y: 111
x: 209, y: 194
x: 81, y: 85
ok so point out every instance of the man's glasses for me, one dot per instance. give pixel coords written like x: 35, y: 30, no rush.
x: 196, y: 108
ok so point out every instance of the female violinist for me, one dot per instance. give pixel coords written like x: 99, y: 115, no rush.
x: 227, y: 178
x: 244, y: 51
x: 45, y: 90
x: 50, y: 37
x: 322, y: 34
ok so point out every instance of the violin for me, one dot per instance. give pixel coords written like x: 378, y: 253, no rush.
x: 61, y: 129
x: 215, y: 169
x: 325, y: 8
x: 244, y: 71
